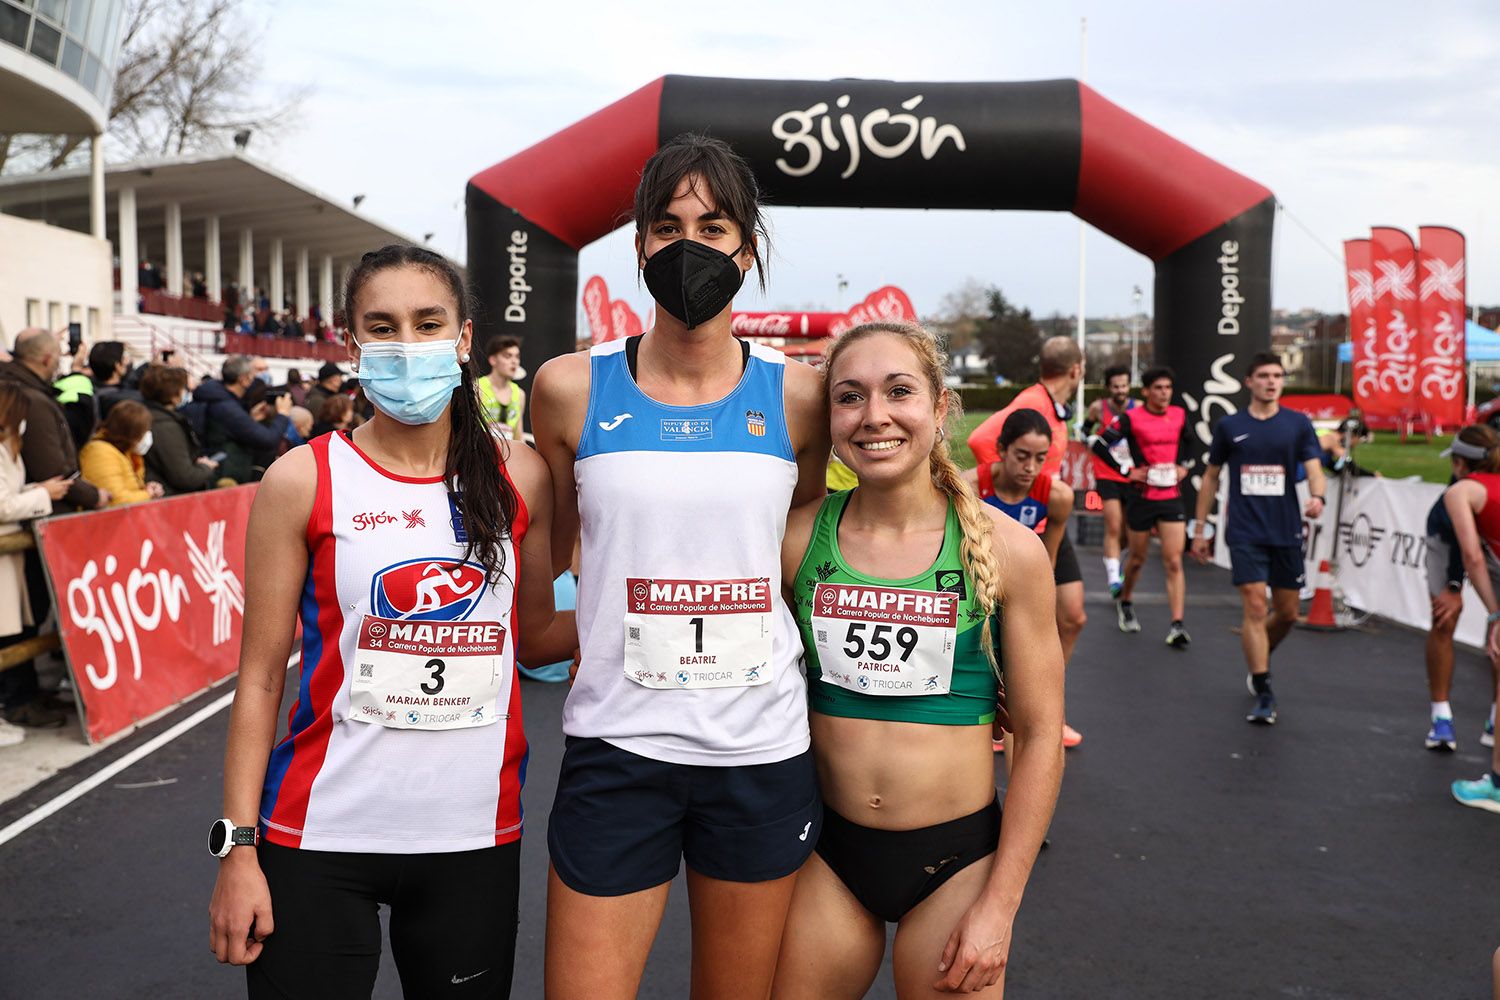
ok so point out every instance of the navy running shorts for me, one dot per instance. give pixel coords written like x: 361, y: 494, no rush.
x: 1279, y: 565
x: 622, y: 823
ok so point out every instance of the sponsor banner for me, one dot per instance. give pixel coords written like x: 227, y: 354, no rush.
x: 1362, y: 332
x: 149, y: 601
x: 608, y: 319
x: 783, y: 324
x: 1393, y: 259
x: 1380, y: 540
x: 1319, y: 406
x: 1440, y: 345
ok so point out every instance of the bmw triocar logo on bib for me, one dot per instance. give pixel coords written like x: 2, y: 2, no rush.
x: 683, y: 677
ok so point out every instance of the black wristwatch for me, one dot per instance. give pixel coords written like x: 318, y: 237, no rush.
x: 224, y: 836
x: 1455, y: 586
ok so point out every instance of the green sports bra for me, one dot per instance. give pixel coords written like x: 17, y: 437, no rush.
x: 893, y: 650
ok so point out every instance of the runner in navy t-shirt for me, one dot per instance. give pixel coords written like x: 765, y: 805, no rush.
x: 1262, y: 446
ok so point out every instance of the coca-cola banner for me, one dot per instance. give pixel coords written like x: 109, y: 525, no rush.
x: 149, y: 601
x: 1393, y: 259
x: 1038, y: 145
x: 888, y: 304
x: 1362, y: 332
x: 1440, y: 346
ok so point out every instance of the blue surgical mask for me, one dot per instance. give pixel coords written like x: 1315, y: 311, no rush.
x: 412, y: 383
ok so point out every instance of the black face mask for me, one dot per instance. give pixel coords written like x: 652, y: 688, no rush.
x: 692, y: 281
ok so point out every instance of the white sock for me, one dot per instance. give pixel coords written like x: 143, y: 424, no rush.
x: 1441, y: 710
x: 1492, y: 715
x: 1112, y: 570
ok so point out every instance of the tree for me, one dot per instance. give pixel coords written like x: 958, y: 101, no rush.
x: 1009, y: 338
x: 182, y: 85
x: 960, y: 314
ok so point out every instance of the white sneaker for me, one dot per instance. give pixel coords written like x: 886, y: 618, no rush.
x: 10, y: 735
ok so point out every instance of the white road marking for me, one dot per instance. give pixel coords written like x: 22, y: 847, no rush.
x: 140, y: 753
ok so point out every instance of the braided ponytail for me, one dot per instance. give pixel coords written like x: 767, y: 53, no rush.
x: 976, y: 546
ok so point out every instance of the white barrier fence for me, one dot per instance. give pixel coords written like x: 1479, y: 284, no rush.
x: 1380, y: 542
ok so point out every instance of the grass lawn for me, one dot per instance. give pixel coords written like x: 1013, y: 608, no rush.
x: 1386, y: 454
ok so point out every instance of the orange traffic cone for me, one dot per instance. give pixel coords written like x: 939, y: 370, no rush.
x: 1320, y: 612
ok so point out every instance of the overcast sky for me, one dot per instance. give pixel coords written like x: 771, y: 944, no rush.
x: 1353, y: 113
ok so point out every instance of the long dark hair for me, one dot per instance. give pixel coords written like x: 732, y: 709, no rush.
x: 486, y: 498
x: 1021, y: 423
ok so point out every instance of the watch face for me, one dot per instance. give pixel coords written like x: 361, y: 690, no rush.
x: 216, y: 835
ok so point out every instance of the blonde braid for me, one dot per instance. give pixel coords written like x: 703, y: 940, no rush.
x: 976, y: 546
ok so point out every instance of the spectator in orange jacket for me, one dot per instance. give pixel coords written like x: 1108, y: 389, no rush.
x: 115, y: 459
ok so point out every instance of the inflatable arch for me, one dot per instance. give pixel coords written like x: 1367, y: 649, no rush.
x: 1049, y: 145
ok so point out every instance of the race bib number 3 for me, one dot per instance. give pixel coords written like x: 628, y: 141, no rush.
x: 428, y: 675
x: 698, y: 633
x: 884, y: 640
x: 1262, y: 481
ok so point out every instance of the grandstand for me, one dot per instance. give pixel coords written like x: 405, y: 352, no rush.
x: 198, y: 244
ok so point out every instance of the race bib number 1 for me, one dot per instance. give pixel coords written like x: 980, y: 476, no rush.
x: 412, y: 674
x: 698, y: 633
x: 1262, y: 481
x: 884, y: 640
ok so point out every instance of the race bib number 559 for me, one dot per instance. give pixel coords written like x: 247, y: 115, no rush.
x: 884, y: 640
x: 698, y: 633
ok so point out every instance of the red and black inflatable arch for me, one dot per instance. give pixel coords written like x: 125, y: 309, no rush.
x: 1051, y: 145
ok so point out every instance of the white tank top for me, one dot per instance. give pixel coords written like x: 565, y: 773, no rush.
x: 689, y: 653
x: 386, y: 546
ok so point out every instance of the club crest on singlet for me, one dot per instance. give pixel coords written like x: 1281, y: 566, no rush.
x: 429, y: 589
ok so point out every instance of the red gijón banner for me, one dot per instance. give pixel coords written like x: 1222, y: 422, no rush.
x: 1394, y: 264
x: 149, y: 600
x: 1363, y: 335
x: 1440, y: 347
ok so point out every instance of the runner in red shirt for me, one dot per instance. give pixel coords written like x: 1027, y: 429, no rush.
x: 1161, y: 450
x: 1061, y: 374
x: 1108, y: 483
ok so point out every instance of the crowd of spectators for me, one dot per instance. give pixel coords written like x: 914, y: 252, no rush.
x: 246, y: 310
x: 93, y: 430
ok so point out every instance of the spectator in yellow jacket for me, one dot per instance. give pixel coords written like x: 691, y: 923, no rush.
x: 114, y: 458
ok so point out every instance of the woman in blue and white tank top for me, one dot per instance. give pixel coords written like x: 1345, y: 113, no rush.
x: 678, y: 453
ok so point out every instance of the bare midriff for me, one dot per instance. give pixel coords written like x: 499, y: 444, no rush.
x: 902, y: 775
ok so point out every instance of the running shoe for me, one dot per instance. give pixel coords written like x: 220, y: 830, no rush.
x: 1177, y: 637
x: 1125, y: 613
x: 1481, y: 793
x: 10, y: 735
x: 1114, y: 591
x: 1264, y: 711
x: 1440, y: 736
x: 1071, y: 737
x: 1487, y: 738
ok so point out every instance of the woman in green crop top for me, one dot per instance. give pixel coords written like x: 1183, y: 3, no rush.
x: 898, y: 588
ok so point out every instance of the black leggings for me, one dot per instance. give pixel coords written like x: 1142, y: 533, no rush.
x: 453, y: 923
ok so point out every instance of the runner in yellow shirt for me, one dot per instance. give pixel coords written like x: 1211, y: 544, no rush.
x: 504, y: 402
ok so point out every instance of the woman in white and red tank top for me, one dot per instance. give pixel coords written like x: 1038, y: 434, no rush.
x: 415, y: 552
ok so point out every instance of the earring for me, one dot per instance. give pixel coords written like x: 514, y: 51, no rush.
x: 942, y: 434
x: 464, y: 356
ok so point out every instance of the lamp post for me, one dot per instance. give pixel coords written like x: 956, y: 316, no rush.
x: 1135, y: 336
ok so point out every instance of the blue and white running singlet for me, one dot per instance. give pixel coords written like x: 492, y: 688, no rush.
x: 689, y: 653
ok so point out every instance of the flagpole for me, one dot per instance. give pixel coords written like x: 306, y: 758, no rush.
x: 1083, y: 72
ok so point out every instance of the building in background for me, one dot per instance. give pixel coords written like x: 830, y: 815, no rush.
x: 57, y: 66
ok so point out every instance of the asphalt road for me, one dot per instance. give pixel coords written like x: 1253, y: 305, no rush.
x: 1192, y: 856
